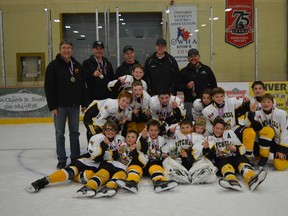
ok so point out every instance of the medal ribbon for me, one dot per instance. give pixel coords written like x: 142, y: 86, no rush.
x: 71, y: 68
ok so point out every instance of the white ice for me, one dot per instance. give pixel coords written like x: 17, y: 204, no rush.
x: 27, y: 152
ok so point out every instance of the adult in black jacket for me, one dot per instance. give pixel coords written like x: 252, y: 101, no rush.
x: 64, y: 89
x: 193, y: 79
x: 127, y: 66
x: 161, y: 70
x: 98, y: 73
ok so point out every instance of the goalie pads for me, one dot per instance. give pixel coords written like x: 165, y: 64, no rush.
x: 175, y: 171
x: 203, y: 171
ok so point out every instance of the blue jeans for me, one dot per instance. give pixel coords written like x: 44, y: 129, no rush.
x: 72, y: 114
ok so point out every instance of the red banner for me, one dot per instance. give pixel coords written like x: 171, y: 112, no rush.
x: 239, y: 26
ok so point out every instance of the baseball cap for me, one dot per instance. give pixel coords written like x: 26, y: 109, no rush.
x: 128, y: 47
x: 161, y: 41
x: 98, y: 44
x: 193, y: 51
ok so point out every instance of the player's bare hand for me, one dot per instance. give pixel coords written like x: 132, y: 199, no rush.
x: 281, y: 156
x: 253, y: 107
x: 144, y: 133
x: 232, y: 148
x: 174, y: 104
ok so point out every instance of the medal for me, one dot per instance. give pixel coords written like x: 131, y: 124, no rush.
x: 101, y: 76
x: 194, y: 94
x: 72, y: 79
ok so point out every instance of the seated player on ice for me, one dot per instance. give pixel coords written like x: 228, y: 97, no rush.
x: 185, y: 163
x: 114, y: 167
x: 83, y: 168
x: 150, y: 143
x: 229, y: 155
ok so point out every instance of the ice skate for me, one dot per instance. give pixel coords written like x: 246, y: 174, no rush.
x: 160, y: 186
x: 86, y: 192
x: 256, y: 180
x: 262, y: 162
x: 199, y: 176
x: 230, y: 184
x: 128, y: 185
x: 37, y: 185
x: 106, y: 192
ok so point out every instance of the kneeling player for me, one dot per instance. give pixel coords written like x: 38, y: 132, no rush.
x: 271, y: 126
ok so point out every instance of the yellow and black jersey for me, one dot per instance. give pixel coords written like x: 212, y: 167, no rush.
x: 100, y: 111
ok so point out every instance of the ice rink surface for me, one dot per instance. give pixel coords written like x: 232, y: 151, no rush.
x: 27, y: 152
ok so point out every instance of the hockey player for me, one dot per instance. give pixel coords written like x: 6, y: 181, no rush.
x: 150, y: 143
x: 229, y: 155
x: 140, y: 106
x: 226, y: 108
x: 125, y: 82
x: 114, y: 169
x: 271, y: 124
x: 166, y: 108
x: 86, y: 165
x: 100, y: 111
x: 258, y: 89
x: 200, y: 126
x: 186, y: 149
x: 200, y: 103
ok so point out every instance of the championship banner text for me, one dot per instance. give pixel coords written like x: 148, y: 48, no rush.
x: 239, y: 23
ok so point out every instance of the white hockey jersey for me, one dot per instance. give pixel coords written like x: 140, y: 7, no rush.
x: 142, y: 102
x: 277, y: 120
x: 154, y: 150
x: 197, y: 108
x: 181, y: 141
x: 227, y: 112
x: 161, y: 113
x: 222, y: 144
x: 108, y: 110
x: 95, y: 150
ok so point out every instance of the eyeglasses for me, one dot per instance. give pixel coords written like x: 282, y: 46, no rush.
x: 109, y: 129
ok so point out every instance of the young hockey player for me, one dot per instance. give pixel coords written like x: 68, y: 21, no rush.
x: 140, y: 107
x: 86, y: 165
x: 226, y: 108
x: 229, y: 155
x: 258, y: 89
x: 100, y: 111
x: 200, y: 103
x: 271, y: 125
x: 200, y: 126
x: 166, y: 108
x: 186, y: 149
x: 113, y: 169
x: 150, y: 143
x: 125, y: 82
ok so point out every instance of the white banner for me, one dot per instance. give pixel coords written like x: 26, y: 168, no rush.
x: 183, y: 32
